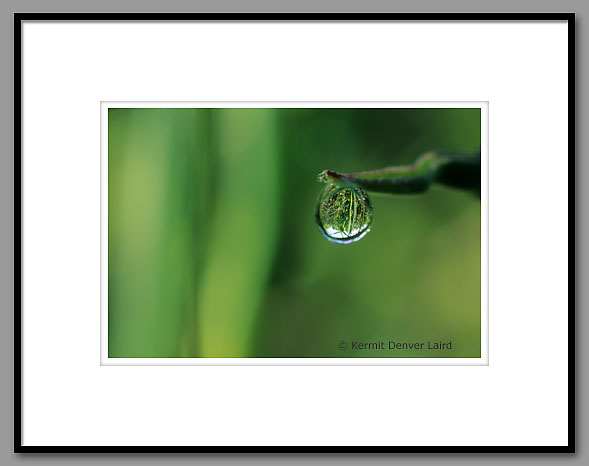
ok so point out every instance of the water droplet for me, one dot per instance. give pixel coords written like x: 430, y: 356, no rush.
x: 344, y: 213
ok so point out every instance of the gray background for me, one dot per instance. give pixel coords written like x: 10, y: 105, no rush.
x: 7, y: 7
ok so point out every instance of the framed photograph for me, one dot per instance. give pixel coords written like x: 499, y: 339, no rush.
x: 268, y: 263
x: 258, y: 232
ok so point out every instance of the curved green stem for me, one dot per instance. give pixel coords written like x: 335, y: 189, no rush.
x: 452, y: 169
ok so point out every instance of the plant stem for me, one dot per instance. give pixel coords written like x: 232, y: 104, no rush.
x: 451, y: 169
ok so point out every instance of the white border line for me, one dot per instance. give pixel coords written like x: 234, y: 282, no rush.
x: 106, y: 361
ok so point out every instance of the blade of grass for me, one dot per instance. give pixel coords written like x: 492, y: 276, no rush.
x: 243, y: 234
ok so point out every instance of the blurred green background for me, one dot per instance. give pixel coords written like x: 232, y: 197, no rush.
x: 213, y: 249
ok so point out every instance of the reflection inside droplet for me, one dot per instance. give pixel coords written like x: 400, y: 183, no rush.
x: 344, y: 213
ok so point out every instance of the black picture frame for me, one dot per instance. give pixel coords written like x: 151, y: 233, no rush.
x: 18, y: 384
